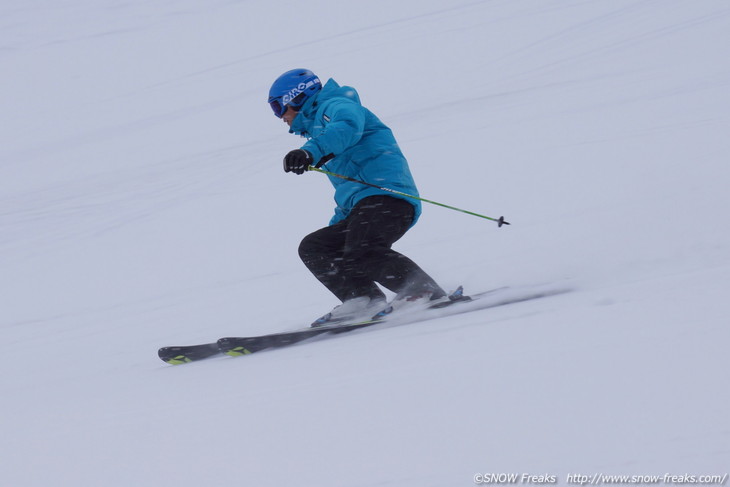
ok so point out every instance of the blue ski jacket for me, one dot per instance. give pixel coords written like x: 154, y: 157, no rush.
x: 357, y: 145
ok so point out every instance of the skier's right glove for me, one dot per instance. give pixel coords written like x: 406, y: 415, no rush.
x: 297, y: 161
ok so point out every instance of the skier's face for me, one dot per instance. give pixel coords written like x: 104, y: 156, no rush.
x: 289, y: 115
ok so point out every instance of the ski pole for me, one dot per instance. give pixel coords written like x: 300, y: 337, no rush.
x: 500, y: 221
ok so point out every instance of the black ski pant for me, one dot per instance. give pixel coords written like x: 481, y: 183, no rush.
x: 352, y: 255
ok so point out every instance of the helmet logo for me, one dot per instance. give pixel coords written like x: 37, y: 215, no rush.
x: 300, y: 88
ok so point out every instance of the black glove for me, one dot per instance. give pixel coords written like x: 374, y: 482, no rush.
x: 297, y: 161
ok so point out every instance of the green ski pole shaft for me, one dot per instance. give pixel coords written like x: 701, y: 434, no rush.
x: 500, y: 221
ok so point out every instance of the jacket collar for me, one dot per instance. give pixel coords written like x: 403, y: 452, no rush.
x: 302, y: 124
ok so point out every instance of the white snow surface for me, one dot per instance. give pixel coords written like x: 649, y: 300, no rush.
x: 143, y: 204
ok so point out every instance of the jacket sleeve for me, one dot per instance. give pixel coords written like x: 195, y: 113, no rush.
x: 341, y: 126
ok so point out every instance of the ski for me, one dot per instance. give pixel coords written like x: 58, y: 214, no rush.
x: 240, y: 346
x: 237, y: 346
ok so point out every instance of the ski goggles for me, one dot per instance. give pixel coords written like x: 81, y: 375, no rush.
x: 279, y: 109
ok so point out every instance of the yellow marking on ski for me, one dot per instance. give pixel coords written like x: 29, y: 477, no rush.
x: 179, y: 360
x: 238, y: 352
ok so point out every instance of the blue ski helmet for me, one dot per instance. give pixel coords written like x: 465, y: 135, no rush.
x: 292, y: 89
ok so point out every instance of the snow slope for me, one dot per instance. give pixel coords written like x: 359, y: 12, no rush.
x: 142, y: 204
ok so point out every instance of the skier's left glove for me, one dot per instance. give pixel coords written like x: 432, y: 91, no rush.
x: 297, y: 161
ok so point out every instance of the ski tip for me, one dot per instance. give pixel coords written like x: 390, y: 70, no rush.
x: 172, y: 356
x: 186, y: 354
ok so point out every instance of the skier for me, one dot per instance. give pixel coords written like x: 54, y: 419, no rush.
x: 354, y: 252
